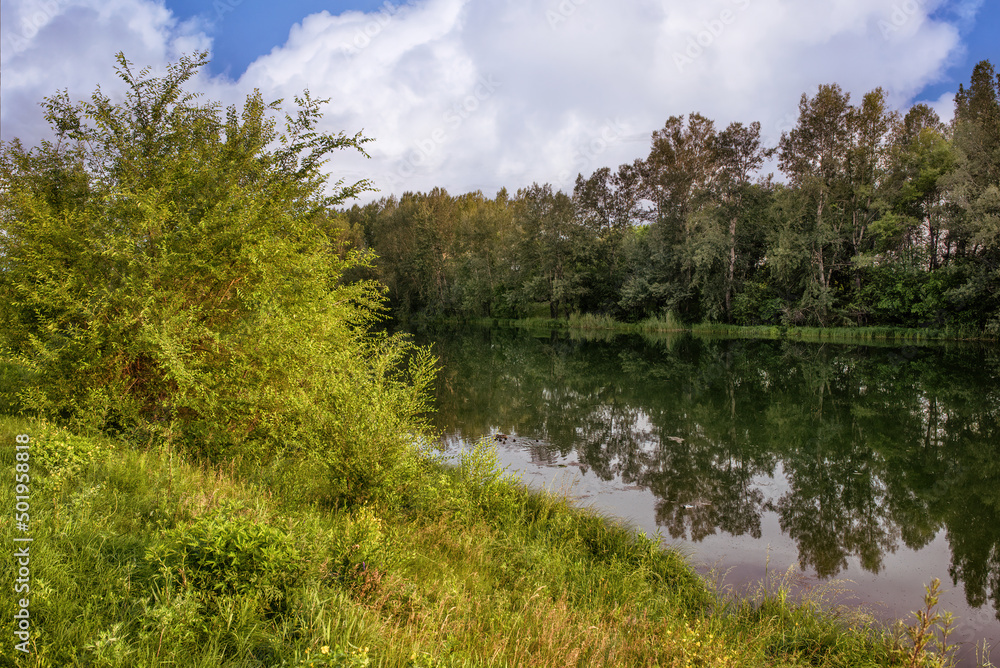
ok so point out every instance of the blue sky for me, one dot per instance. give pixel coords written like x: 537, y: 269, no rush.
x: 483, y: 94
x: 244, y: 31
x: 980, y: 34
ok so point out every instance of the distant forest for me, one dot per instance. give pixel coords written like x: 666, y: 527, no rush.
x: 882, y: 219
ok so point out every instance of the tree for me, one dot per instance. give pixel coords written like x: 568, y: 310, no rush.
x: 677, y: 178
x: 814, y: 155
x: 609, y: 204
x: 486, y: 240
x: 922, y: 159
x: 738, y: 154
x: 554, y: 255
x: 974, y: 193
x: 872, y: 127
x: 165, y: 275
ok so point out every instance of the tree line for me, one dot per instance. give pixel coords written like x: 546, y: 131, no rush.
x: 882, y: 218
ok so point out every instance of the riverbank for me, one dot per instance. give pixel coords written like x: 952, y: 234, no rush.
x: 590, y: 322
x: 143, y: 558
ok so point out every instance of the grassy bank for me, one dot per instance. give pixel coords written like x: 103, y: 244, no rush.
x: 590, y: 322
x: 143, y: 558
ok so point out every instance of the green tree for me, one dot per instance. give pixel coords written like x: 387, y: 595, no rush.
x: 609, y: 204
x: 814, y: 155
x: 738, y: 154
x: 486, y: 240
x: 555, y: 252
x: 974, y: 194
x: 872, y: 127
x: 677, y: 177
x: 922, y: 157
x: 165, y: 274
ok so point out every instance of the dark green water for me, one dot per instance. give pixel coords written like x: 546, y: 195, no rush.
x: 879, y: 465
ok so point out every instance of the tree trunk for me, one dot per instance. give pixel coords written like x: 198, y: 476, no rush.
x: 824, y: 284
x: 732, y: 268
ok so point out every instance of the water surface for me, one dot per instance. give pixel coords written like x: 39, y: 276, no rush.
x: 877, y: 465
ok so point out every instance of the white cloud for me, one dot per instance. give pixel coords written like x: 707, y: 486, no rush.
x: 944, y: 106
x: 469, y: 95
x: 51, y: 45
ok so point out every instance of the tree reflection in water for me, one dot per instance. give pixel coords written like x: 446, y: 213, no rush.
x: 879, y: 446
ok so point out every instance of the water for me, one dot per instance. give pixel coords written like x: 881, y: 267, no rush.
x: 875, y: 465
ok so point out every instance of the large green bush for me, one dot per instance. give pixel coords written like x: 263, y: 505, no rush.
x: 166, y: 274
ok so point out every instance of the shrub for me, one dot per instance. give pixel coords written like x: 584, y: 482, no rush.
x: 357, y: 550
x: 166, y: 273
x: 228, y: 554
x: 61, y: 454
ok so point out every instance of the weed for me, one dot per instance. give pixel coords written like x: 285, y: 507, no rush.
x: 931, y: 629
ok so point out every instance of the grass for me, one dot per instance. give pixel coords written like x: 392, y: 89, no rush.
x: 145, y: 558
x: 670, y: 323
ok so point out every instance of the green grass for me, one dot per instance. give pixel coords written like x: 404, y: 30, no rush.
x: 589, y: 322
x: 145, y: 558
x: 844, y: 334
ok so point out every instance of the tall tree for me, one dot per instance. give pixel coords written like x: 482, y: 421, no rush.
x: 977, y: 140
x: 922, y: 158
x: 738, y: 154
x: 609, y: 204
x: 872, y: 127
x: 974, y: 193
x: 678, y: 177
x: 555, y: 251
x: 814, y: 155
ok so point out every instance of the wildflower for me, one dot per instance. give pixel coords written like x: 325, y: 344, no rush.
x: 325, y: 649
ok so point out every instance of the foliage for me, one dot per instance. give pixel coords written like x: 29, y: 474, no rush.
x: 543, y: 584
x: 356, y: 548
x: 62, y: 454
x: 333, y: 657
x: 925, y: 631
x: 481, y: 470
x: 166, y: 275
x: 887, y: 218
x: 227, y: 553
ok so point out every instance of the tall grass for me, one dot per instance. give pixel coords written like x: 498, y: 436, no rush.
x: 840, y: 334
x: 465, y: 567
x: 669, y: 322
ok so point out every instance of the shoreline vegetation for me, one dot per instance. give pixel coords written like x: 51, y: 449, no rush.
x: 669, y: 324
x: 143, y: 554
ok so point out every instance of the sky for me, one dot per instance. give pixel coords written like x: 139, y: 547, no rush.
x: 482, y: 94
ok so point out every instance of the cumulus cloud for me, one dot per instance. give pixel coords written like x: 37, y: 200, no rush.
x: 470, y: 95
x: 943, y: 106
x: 50, y: 45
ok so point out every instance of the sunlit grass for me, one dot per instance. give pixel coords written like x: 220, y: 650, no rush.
x: 466, y: 568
